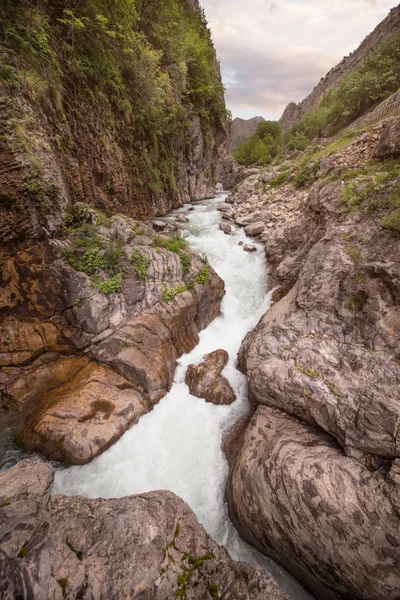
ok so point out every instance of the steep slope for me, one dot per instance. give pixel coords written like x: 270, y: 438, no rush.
x: 117, y: 105
x: 294, y: 112
x: 241, y: 130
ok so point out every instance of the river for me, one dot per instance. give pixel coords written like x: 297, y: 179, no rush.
x: 177, y: 446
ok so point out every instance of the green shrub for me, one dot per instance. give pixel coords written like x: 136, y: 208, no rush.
x: 169, y: 293
x: 391, y: 222
x: 113, y: 258
x: 203, y: 275
x: 141, y: 264
x: 264, y: 145
x: 355, y: 302
x: 186, y: 261
x: 110, y: 285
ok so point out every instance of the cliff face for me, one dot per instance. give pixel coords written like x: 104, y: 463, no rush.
x: 241, y: 130
x: 294, y: 112
x: 120, y: 108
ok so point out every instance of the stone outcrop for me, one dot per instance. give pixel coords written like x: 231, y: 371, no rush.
x: 81, y: 365
x: 149, y: 546
x: 206, y: 381
x: 295, y: 112
x: 389, y: 143
x: 295, y: 496
x: 323, y: 371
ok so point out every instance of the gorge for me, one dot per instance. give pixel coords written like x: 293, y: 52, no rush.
x: 129, y: 276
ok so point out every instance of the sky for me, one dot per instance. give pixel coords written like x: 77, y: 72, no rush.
x: 273, y: 52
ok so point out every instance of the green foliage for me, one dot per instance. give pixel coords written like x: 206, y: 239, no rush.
x: 186, y: 261
x: 264, y: 145
x: 113, y: 258
x: 111, y: 285
x: 355, y: 302
x: 354, y: 253
x: 150, y: 63
x: 203, y: 275
x: 175, y: 243
x: 23, y: 551
x: 141, y: 264
x: 306, y: 176
x: 391, y: 222
x: 280, y: 179
x: 213, y: 591
x: 169, y: 293
x: 375, y: 79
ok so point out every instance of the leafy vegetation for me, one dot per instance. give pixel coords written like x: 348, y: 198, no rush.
x: 203, y: 275
x: 169, y: 293
x: 264, y: 145
x: 376, y: 78
x: 141, y: 264
x: 176, y: 243
x: 146, y: 66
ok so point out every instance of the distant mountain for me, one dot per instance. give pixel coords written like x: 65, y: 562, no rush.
x: 242, y: 129
x: 294, y: 112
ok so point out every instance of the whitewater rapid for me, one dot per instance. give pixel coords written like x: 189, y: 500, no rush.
x: 177, y: 446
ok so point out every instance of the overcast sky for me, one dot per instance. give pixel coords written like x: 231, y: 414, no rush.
x: 275, y: 51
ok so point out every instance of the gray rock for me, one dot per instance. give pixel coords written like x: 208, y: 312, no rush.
x: 147, y: 547
x: 181, y: 218
x: 226, y: 228
x: 389, y: 142
x: 205, y: 380
x: 255, y: 228
x: 335, y: 525
x: 159, y: 225
x: 249, y: 248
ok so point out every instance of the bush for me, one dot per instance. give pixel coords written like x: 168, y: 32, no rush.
x: 203, y: 276
x: 169, y: 293
x: 141, y: 264
x: 391, y: 222
x: 262, y: 146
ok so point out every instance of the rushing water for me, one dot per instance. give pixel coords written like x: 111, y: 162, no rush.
x: 178, y: 445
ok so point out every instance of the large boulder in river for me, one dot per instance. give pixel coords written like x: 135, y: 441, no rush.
x: 205, y: 380
x: 332, y: 522
x: 148, y: 547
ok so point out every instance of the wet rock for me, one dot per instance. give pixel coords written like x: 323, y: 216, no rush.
x: 226, y: 228
x: 181, y: 218
x: 248, y: 219
x: 332, y: 523
x: 255, y: 228
x: 225, y: 208
x: 249, y: 248
x: 136, y: 547
x: 219, y: 187
x: 205, y: 380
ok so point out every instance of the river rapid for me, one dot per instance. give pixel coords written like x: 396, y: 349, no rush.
x: 177, y: 446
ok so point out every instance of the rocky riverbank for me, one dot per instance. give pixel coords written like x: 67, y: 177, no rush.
x: 314, y: 483
x: 92, y: 326
x: 149, y: 546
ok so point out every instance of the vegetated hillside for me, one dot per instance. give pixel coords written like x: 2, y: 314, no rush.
x: 294, y: 112
x: 117, y: 104
x: 262, y: 147
x: 241, y: 130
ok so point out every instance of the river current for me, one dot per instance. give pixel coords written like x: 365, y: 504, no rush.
x: 177, y: 446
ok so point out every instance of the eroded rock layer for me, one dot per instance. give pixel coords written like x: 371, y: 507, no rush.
x: 149, y: 546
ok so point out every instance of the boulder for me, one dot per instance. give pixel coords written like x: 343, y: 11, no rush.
x: 389, y: 142
x: 181, y: 218
x: 226, y: 228
x: 77, y: 421
x: 145, y: 547
x: 255, y: 228
x: 205, y: 380
x: 332, y: 523
x: 248, y: 219
x: 225, y: 208
x: 249, y: 248
x: 159, y: 225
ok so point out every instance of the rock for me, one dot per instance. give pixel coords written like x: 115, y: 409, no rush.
x: 248, y: 219
x: 327, y: 377
x: 334, y: 525
x: 219, y: 187
x: 205, y: 380
x: 60, y: 319
x: 79, y: 420
x: 181, y: 218
x: 255, y: 228
x: 159, y: 225
x: 142, y: 547
x: 249, y: 248
x: 389, y: 142
x: 226, y: 228
x: 225, y: 208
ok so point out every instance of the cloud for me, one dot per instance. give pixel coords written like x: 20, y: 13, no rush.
x: 275, y: 51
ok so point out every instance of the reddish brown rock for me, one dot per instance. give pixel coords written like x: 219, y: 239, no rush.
x: 205, y: 380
